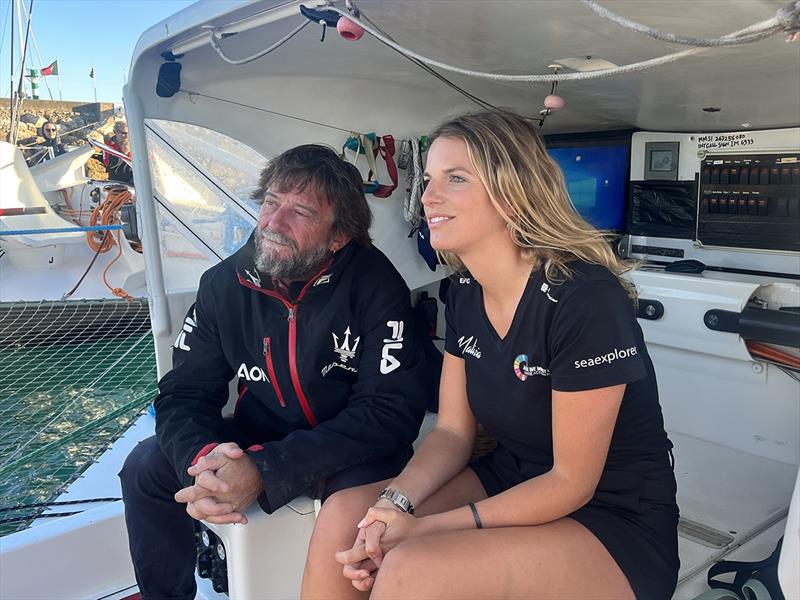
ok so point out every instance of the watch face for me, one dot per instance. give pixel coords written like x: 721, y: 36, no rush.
x: 662, y: 160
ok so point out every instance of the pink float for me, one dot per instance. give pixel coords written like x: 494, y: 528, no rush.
x: 348, y: 29
x: 553, y: 101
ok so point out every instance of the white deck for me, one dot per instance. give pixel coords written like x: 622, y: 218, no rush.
x: 731, y: 491
x: 25, y: 281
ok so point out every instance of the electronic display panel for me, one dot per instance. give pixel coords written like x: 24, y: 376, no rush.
x: 596, y: 177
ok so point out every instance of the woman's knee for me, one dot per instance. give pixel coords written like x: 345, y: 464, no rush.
x: 402, y: 569
x: 339, y: 514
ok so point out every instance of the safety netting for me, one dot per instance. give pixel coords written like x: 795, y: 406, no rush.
x: 73, y: 376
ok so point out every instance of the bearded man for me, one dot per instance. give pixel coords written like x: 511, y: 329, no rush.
x: 316, y: 325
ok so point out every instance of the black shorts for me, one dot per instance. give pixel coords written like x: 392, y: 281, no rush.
x: 641, y: 536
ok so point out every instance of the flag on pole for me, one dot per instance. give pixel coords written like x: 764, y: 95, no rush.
x: 51, y: 69
x: 94, y: 82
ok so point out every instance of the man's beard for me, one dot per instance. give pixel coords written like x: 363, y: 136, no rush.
x: 298, y: 266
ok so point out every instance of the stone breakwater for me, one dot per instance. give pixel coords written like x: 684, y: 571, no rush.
x: 75, y: 120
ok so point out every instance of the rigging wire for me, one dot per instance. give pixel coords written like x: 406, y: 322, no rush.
x: 787, y: 19
x: 191, y: 93
x: 17, y: 112
x: 769, y: 24
x: 5, y: 23
x: 436, y: 74
x: 62, y: 133
x: 216, y: 37
x: 39, y: 56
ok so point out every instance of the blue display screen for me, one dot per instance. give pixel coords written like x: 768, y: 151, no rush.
x: 596, y: 178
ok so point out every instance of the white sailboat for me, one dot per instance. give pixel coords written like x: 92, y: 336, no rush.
x: 653, y: 135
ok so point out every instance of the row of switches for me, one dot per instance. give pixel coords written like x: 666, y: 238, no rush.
x: 751, y: 174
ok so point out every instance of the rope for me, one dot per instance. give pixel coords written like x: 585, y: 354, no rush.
x: 85, y: 273
x: 57, y: 503
x: 546, y: 78
x: 37, y: 516
x: 117, y: 291
x: 70, y: 212
x: 412, y: 206
x: 215, y: 39
x: 105, y: 213
x: 787, y: 19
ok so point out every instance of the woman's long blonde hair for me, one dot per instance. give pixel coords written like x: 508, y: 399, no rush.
x: 527, y: 188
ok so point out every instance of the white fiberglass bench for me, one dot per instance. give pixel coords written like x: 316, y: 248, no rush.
x: 264, y: 559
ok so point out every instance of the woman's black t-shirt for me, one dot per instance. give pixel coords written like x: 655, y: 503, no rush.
x: 580, y: 334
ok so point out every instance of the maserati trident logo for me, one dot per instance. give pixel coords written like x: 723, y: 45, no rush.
x: 322, y: 280
x: 345, y: 350
x: 254, y: 277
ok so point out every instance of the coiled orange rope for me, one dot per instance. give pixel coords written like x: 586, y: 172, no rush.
x: 107, y: 213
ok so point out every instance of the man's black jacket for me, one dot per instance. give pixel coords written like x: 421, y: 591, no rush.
x: 330, y: 378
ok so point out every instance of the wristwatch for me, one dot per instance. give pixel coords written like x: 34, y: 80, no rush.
x: 399, y: 499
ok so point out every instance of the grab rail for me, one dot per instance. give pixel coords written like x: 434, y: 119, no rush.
x: 60, y: 230
x: 779, y: 327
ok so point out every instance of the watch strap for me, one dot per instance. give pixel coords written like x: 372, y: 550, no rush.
x: 399, y: 499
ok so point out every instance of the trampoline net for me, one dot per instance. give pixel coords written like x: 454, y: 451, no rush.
x: 73, y: 376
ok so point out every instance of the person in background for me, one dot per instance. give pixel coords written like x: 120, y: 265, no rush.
x: 119, y: 169
x: 316, y: 327
x: 52, y: 139
x: 544, y: 350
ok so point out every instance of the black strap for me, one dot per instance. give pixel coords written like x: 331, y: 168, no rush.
x: 765, y: 571
x: 475, y: 515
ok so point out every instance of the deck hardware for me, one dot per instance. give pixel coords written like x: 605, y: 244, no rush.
x: 757, y: 325
x: 211, y: 558
x: 652, y: 310
x: 703, y: 534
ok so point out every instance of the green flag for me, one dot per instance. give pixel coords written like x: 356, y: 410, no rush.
x: 51, y: 69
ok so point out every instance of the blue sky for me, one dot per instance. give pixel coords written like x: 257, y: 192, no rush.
x: 82, y: 33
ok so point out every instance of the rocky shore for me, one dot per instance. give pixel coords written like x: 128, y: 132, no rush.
x: 76, y: 121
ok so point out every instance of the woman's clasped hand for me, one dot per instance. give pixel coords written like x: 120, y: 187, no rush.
x: 379, y: 531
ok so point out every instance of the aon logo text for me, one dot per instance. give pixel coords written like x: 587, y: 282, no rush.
x: 251, y: 373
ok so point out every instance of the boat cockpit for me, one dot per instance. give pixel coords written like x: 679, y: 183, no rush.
x: 682, y: 135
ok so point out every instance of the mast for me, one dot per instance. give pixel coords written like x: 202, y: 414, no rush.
x: 22, y: 70
x: 11, y: 88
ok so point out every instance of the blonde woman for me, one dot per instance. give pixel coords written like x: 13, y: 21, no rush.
x: 543, y: 348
